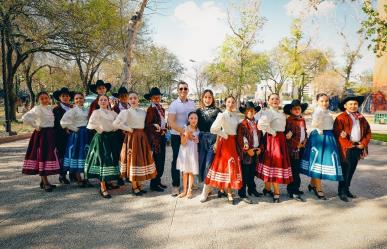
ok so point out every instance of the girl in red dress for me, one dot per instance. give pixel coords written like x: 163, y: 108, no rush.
x: 225, y: 170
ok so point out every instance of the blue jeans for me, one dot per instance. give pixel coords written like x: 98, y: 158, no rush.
x: 206, y: 152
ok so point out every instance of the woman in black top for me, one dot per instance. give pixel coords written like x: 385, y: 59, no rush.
x: 207, y: 114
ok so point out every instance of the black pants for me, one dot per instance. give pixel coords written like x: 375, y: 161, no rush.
x: 248, y: 173
x: 348, y: 166
x: 294, y: 186
x: 159, y: 158
x: 175, y: 143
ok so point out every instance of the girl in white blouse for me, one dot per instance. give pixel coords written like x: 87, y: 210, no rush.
x: 136, y: 160
x: 321, y: 157
x: 225, y: 170
x: 275, y: 168
x: 102, y: 156
x: 75, y: 121
x: 41, y: 157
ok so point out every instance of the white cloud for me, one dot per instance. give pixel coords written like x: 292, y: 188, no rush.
x: 303, y: 8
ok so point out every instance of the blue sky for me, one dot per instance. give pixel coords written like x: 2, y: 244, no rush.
x: 195, y: 29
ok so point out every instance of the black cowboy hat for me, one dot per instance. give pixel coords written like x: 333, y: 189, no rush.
x: 248, y: 105
x: 121, y: 90
x: 153, y: 92
x: 345, y: 99
x: 63, y: 90
x: 295, y: 102
x: 93, y: 87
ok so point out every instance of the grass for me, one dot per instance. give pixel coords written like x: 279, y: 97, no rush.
x: 17, y: 126
x: 379, y: 137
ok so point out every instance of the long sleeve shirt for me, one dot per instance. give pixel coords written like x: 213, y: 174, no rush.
x: 74, y: 118
x: 272, y: 121
x: 101, y: 120
x: 225, y: 124
x: 39, y: 117
x: 133, y: 118
x: 322, y: 120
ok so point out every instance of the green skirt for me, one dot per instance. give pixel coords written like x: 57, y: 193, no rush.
x: 102, y: 157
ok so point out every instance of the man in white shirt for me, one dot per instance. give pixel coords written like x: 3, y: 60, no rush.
x: 177, y: 118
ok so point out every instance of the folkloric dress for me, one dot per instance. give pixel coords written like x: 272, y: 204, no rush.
x: 41, y: 157
x: 136, y: 154
x: 321, y: 158
x: 275, y: 166
x: 188, y: 158
x: 225, y: 170
x: 75, y: 120
x: 102, y: 156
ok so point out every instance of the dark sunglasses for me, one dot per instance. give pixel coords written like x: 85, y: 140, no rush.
x: 183, y: 89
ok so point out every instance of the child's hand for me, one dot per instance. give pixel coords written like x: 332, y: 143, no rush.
x: 195, y: 139
x: 158, y: 129
x: 289, y: 135
x: 250, y: 152
x: 360, y: 146
x: 343, y: 134
x: 37, y: 129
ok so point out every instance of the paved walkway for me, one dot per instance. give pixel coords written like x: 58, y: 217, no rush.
x: 71, y: 217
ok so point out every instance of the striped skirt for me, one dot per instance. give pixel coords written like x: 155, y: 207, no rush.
x: 321, y: 158
x: 102, y: 157
x: 41, y: 157
x: 137, y: 162
x: 76, y: 151
x: 275, y: 166
x: 225, y: 170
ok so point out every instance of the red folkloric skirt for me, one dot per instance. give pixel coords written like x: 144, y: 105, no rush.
x: 41, y: 157
x: 275, y: 166
x: 225, y: 170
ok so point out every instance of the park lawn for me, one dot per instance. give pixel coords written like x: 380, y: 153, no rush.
x: 17, y: 126
x: 379, y: 137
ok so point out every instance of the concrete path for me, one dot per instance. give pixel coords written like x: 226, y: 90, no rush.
x: 71, y: 217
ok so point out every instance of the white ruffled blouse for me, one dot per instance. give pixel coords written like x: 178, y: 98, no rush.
x: 132, y: 118
x: 225, y: 124
x: 322, y: 120
x: 39, y: 117
x: 272, y: 121
x: 101, y: 120
x: 74, y: 118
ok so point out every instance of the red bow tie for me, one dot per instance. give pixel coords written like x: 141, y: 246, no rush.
x: 356, y: 115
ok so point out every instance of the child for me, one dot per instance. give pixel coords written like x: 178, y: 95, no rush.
x: 123, y: 97
x: 99, y: 88
x: 64, y: 96
x: 188, y: 158
x: 296, y: 137
x: 136, y: 155
x: 41, y: 157
x: 250, y: 146
x: 156, y: 128
x: 123, y: 104
x: 353, y: 133
x: 275, y: 168
x: 102, y: 157
x: 225, y: 169
x: 321, y: 157
x: 75, y: 120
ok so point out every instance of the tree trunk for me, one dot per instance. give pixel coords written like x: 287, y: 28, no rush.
x: 133, y: 28
x: 8, y: 127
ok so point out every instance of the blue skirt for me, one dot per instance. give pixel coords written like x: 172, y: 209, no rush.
x: 206, y: 153
x: 321, y: 158
x: 76, y: 151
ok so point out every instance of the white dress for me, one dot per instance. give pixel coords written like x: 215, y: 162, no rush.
x: 188, y: 158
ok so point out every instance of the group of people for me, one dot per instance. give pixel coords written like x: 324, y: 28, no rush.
x: 125, y: 143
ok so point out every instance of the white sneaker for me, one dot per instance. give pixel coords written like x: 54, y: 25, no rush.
x: 175, y: 191
x: 206, y: 191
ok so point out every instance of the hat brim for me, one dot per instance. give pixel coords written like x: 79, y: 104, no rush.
x: 57, y: 94
x: 288, y: 108
x: 93, y: 87
x: 148, y: 96
x: 242, y: 109
x: 358, y: 99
